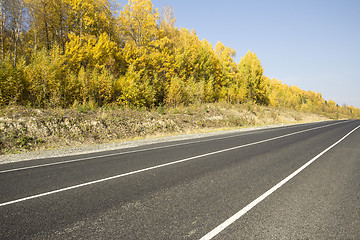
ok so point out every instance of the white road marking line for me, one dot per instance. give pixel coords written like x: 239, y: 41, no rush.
x: 240, y: 213
x: 155, y: 167
x: 134, y: 151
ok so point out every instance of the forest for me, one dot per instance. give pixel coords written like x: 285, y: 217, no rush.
x: 66, y: 53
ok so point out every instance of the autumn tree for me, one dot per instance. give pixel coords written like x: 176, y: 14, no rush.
x: 139, y: 31
x: 70, y: 52
x: 251, y: 74
x: 228, y: 71
x: 91, y: 26
x: 167, y: 22
x: 14, y: 22
x: 137, y: 22
x: 45, y: 20
x: 50, y: 23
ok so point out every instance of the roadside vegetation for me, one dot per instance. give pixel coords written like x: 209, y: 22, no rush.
x: 26, y: 129
x: 88, y: 58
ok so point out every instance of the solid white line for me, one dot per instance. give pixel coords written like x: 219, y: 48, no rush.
x: 240, y: 213
x: 136, y: 151
x: 155, y: 167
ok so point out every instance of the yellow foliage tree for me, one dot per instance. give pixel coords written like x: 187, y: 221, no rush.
x: 137, y: 22
x: 135, y: 90
x: 251, y: 75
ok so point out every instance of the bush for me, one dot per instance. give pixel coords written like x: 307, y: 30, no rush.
x: 11, y: 84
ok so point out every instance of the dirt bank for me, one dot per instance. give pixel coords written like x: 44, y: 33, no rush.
x: 23, y: 129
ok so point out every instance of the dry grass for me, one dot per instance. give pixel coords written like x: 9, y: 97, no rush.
x: 23, y: 129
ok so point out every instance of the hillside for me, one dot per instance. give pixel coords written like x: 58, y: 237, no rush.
x: 24, y: 129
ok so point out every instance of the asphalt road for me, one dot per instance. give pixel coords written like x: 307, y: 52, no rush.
x: 292, y: 182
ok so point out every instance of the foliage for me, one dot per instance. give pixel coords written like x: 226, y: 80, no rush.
x: 12, y: 83
x: 252, y: 81
x: 80, y: 53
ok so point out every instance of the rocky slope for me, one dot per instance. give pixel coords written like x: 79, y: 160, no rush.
x: 23, y: 129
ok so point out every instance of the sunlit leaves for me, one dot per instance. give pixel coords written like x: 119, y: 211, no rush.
x: 70, y: 52
x: 251, y: 75
x: 137, y: 22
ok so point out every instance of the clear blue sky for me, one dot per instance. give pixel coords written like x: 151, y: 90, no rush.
x: 313, y: 44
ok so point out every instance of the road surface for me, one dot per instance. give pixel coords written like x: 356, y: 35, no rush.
x: 291, y: 182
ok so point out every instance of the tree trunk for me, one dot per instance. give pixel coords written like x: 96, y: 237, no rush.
x: 35, y: 39
x: 46, y: 28
x: 61, y: 29
x: 17, y: 31
x: 2, y: 28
